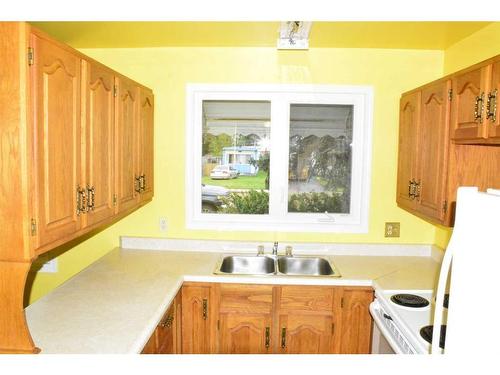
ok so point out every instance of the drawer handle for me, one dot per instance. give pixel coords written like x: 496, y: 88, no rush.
x: 205, y: 309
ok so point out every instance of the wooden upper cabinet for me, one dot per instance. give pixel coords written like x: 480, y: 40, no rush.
x: 55, y: 82
x: 146, y: 144
x: 356, y: 321
x: 126, y: 133
x: 245, y: 319
x: 492, y: 108
x: 409, y: 118
x: 98, y: 99
x: 197, y: 319
x: 467, y: 119
x: 307, y: 317
x: 432, y: 160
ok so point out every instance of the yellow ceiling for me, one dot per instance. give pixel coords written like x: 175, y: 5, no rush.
x: 411, y: 35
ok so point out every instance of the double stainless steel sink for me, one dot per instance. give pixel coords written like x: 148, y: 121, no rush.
x: 276, y: 265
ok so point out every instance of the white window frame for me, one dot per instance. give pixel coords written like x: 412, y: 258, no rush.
x: 281, y: 96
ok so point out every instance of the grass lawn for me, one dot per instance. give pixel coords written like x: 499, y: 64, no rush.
x: 242, y: 182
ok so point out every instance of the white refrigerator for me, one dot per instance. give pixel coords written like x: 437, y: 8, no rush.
x: 472, y: 264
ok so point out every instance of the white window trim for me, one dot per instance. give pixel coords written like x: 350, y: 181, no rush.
x: 279, y: 95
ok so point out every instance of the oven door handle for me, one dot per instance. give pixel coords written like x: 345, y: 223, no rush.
x: 374, y: 310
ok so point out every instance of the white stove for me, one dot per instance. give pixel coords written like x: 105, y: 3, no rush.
x: 401, y: 325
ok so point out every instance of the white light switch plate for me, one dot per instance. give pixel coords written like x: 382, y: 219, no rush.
x: 163, y: 224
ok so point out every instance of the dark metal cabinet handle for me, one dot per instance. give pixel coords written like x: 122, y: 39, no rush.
x: 268, y: 337
x: 387, y: 316
x: 478, y: 108
x: 91, y: 198
x: 167, y: 323
x: 491, y: 106
x: 283, y: 338
x: 137, y: 184
x: 205, y: 309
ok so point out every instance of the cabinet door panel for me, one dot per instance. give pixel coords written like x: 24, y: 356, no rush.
x: 196, y: 319
x: 244, y: 333
x: 166, y: 332
x: 467, y: 87
x: 494, y: 119
x: 56, y: 103
x: 99, y: 129
x: 356, y: 321
x: 126, y: 146
x: 306, y: 334
x: 146, y: 146
x: 433, y: 150
x: 409, y: 117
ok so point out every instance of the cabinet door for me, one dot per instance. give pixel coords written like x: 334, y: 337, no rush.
x: 409, y: 117
x: 98, y: 84
x: 306, y: 334
x: 150, y: 347
x: 469, y: 99
x: 55, y: 79
x: 307, y: 317
x: 493, y: 109
x: 127, y: 108
x: 196, y: 319
x: 245, y: 318
x: 166, y: 332
x: 146, y: 143
x: 433, y: 144
x: 356, y: 321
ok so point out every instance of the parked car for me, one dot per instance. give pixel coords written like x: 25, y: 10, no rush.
x: 224, y: 172
x: 211, y: 197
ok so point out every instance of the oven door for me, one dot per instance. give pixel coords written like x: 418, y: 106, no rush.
x: 383, y: 340
x: 380, y: 345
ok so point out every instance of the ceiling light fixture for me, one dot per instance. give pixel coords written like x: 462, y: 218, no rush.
x: 294, y: 35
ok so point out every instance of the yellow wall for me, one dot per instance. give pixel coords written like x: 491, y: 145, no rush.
x: 167, y: 70
x: 477, y: 47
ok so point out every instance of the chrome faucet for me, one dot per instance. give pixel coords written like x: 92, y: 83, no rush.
x: 275, y: 248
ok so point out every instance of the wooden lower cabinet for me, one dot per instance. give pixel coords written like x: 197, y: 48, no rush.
x: 197, y: 318
x: 226, y: 318
x: 245, y: 316
x: 166, y: 337
x: 356, y: 323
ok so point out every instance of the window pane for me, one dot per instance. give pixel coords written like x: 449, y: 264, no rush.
x: 235, y: 157
x: 319, y: 169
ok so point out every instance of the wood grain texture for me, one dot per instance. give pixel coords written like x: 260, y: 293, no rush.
x: 306, y: 334
x: 55, y: 78
x: 197, y: 327
x: 494, y: 123
x: 409, y: 118
x: 14, y: 334
x: 432, y: 161
x: 356, y: 321
x: 146, y: 143
x: 98, y: 122
x: 15, y: 146
x: 126, y: 133
x: 467, y: 86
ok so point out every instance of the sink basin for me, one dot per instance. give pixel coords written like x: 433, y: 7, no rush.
x: 246, y: 265
x: 310, y: 266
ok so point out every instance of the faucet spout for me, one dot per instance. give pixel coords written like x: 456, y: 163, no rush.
x: 275, y: 248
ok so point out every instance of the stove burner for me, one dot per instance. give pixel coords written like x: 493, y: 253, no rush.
x: 409, y: 300
x: 426, y: 333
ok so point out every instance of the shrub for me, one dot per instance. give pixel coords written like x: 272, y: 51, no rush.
x: 251, y: 202
x: 317, y: 202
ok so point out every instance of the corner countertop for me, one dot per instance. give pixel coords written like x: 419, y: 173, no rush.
x: 115, y: 304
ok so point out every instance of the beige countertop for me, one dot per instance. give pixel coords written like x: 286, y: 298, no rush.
x: 114, y: 305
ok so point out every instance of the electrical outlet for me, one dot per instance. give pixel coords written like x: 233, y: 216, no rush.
x: 392, y: 229
x: 163, y: 224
